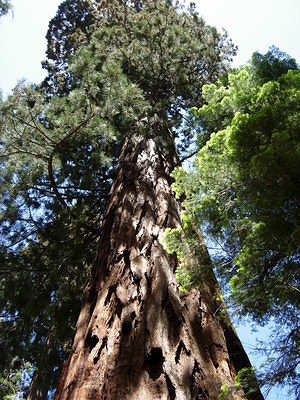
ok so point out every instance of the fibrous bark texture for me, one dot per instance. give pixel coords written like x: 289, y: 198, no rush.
x: 137, y: 336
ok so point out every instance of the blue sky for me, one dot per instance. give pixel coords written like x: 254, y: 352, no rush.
x: 253, y: 25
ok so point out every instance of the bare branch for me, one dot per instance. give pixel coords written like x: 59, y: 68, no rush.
x: 186, y: 158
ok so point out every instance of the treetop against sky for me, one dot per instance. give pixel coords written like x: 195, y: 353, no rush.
x: 252, y: 25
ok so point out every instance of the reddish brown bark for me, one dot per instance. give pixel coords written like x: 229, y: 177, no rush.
x: 137, y: 336
x: 38, y: 389
x: 40, y: 382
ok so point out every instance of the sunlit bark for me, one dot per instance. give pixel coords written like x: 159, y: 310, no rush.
x: 137, y: 336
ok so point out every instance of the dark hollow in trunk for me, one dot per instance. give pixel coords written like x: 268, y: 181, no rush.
x: 137, y: 336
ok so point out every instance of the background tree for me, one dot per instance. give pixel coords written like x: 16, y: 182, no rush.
x: 52, y: 202
x: 270, y: 66
x: 71, y: 28
x: 55, y: 183
x: 244, y: 192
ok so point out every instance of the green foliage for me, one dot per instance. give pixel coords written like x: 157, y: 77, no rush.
x: 224, y: 393
x: 245, y: 380
x: 270, y: 66
x: 56, y: 168
x: 68, y: 31
x: 187, y: 243
x: 162, y: 50
x: 57, y: 162
x: 5, y: 6
x: 13, y: 382
x: 245, y: 193
x: 114, y: 69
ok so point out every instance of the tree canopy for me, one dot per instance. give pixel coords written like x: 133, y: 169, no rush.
x: 270, y: 66
x: 244, y: 192
x: 113, y: 68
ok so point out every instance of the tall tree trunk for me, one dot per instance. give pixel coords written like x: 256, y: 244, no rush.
x: 40, y: 382
x: 38, y: 389
x: 137, y: 336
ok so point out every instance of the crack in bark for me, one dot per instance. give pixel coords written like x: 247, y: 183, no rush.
x: 149, y: 281
x: 110, y: 321
x: 103, y: 344
x: 136, y: 279
x: 126, y: 256
x: 127, y: 323
x: 174, y: 322
x: 94, y: 302
x: 198, y: 392
x: 149, y: 250
x: 110, y: 292
x: 181, y: 347
x: 141, y: 217
x: 171, y: 388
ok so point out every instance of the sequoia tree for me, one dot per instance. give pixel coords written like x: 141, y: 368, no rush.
x: 127, y: 87
x: 137, y: 336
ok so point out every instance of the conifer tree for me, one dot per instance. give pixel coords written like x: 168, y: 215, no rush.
x: 245, y: 196
x: 118, y: 97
